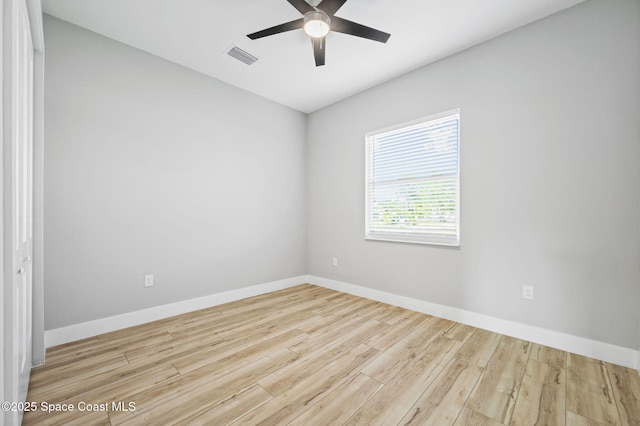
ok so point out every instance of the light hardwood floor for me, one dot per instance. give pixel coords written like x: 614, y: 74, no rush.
x: 312, y: 356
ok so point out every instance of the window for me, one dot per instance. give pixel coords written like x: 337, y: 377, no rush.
x: 413, y: 181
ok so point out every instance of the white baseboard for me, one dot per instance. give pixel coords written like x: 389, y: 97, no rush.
x: 594, y: 349
x: 83, y: 330
x: 599, y: 350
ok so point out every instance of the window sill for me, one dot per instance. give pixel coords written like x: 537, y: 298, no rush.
x: 404, y: 240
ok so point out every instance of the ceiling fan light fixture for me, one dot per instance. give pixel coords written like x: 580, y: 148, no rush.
x: 317, y: 24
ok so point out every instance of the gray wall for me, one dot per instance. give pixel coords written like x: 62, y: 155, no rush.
x: 151, y: 168
x: 550, y: 154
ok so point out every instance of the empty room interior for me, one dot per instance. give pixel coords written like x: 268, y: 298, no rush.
x: 427, y: 214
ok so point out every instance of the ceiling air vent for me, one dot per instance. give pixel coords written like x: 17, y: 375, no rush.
x: 241, y: 55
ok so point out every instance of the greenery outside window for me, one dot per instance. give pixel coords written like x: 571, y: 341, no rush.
x: 413, y: 181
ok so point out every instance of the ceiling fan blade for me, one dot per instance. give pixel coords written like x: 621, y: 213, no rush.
x: 347, y: 27
x: 330, y: 6
x: 302, y: 6
x: 318, y: 50
x: 287, y: 26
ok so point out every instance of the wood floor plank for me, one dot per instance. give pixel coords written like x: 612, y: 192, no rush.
x: 398, y: 356
x: 442, y: 402
x: 308, y: 355
x: 319, y: 322
x: 337, y: 335
x: 69, y: 350
x: 626, y: 390
x: 357, y: 308
x: 230, y: 409
x: 479, y: 347
x: 574, y: 419
x: 459, y: 332
x: 167, y: 351
x: 398, y: 331
x: 497, y: 390
x: 73, y: 418
x: 290, y: 316
x: 394, y: 314
x: 541, y: 399
x: 340, y: 404
x: 589, y: 390
x: 167, y: 404
x: 252, y: 308
x: 235, y: 322
x: 391, y: 403
x: 468, y: 417
x: 550, y: 356
x: 244, y: 353
x: 112, y: 386
x: 286, y: 378
x: 339, y: 304
x: 83, y: 370
x: 299, y: 398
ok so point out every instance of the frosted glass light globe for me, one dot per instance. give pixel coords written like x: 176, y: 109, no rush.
x: 317, y: 24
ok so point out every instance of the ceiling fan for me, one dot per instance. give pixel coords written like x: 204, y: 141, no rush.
x: 318, y: 21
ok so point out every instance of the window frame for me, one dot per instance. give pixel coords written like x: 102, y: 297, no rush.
x: 404, y: 236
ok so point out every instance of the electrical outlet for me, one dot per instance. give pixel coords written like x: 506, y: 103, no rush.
x: 527, y: 292
x: 148, y: 280
x: 335, y: 261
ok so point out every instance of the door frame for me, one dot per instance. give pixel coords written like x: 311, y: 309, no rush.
x: 7, y: 38
x: 34, y: 8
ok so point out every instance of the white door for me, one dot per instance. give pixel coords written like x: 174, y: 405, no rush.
x: 23, y: 187
x: 22, y: 203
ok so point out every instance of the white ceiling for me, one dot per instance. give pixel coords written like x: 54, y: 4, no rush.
x: 198, y: 33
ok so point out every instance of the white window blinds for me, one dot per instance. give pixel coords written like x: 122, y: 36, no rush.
x: 413, y: 182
